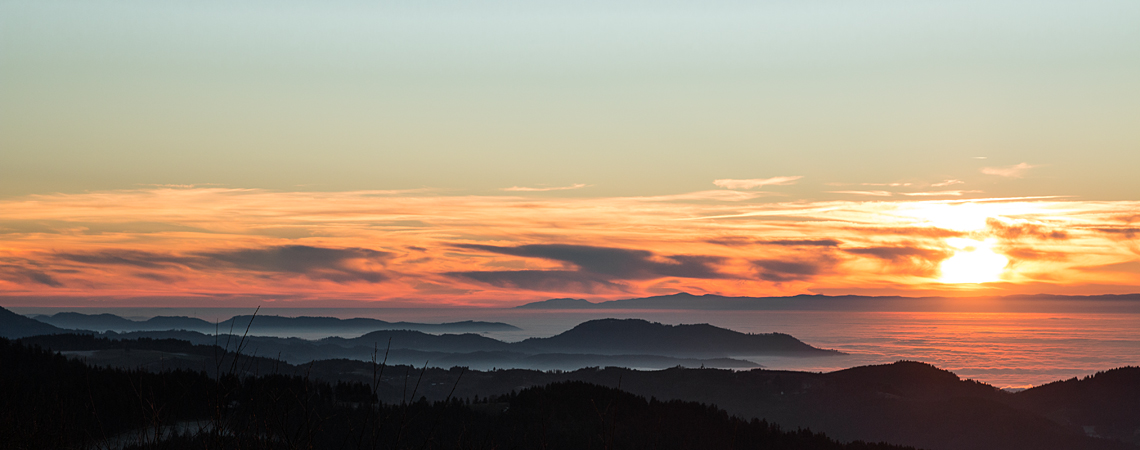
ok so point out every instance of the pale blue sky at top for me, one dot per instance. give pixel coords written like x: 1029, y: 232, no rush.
x: 626, y: 98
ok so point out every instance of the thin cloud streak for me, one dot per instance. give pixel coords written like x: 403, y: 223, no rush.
x: 939, y: 193
x: 756, y: 182
x: 867, y: 193
x: 544, y: 189
x: 1014, y: 171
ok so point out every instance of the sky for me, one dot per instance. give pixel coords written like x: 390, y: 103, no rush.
x: 490, y: 153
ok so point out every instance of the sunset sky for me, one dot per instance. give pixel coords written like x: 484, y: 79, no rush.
x: 497, y: 152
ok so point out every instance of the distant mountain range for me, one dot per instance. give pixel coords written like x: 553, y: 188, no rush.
x: 263, y: 324
x: 710, y: 302
x: 605, y: 342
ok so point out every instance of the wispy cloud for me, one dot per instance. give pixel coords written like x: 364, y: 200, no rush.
x: 955, y: 193
x: 947, y: 183
x: 178, y: 186
x: 1017, y: 229
x: 756, y: 182
x: 472, y: 249
x: 614, y: 263
x: 18, y: 274
x: 1014, y: 171
x: 544, y: 189
x: 869, y: 193
x: 704, y: 196
x: 793, y: 269
x: 341, y: 265
x: 907, y: 259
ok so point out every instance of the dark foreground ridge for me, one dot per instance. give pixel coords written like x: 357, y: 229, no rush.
x: 905, y: 403
x: 52, y: 402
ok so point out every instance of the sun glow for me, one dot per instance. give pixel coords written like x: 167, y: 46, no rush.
x: 973, y: 262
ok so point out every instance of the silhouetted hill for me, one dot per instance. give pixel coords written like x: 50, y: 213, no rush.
x: 906, y: 403
x: 14, y: 326
x: 52, y: 402
x: 911, y: 379
x: 559, y: 303
x: 615, y: 336
x: 263, y: 323
x: 1104, y: 404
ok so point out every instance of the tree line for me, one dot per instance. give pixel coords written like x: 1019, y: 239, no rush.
x: 51, y: 401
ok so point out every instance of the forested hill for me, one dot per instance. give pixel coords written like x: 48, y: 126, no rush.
x: 906, y: 403
x: 615, y: 336
x: 14, y: 326
x: 52, y: 402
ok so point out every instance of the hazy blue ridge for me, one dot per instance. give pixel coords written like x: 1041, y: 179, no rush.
x: 263, y: 323
x: 14, y: 326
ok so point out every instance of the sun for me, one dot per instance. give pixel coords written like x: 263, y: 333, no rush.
x: 973, y: 262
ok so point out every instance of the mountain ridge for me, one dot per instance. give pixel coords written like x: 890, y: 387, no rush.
x: 714, y: 302
x: 264, y: 323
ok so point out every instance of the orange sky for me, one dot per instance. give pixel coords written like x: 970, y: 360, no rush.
x: 207, y: 245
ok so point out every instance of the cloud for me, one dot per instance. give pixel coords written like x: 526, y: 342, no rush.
x: 939, y: 193
x: 926, y: 232
x: 947, y: 183
x: 544, y: 189
x: 907, y: 259
x: 703, y: 196
x: 870, y: 193
x: 197, y: 234
x: 756, y: 182
x: 732, y: 241
x: 1014, y: 171
x: 780, y: 270
x: 341, y: 265
x: 134, y: 258
x: 158, y: 277
x: 1020, y: 230
x: 1028, y: 254
x: 900, y: 253
x: 25, y: 275
x: 742, y: 241
x: 1127, y: 233
x: 615, y: 263
x: 541, y: 280
x: 803, y: 242
x: 595, y: 266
